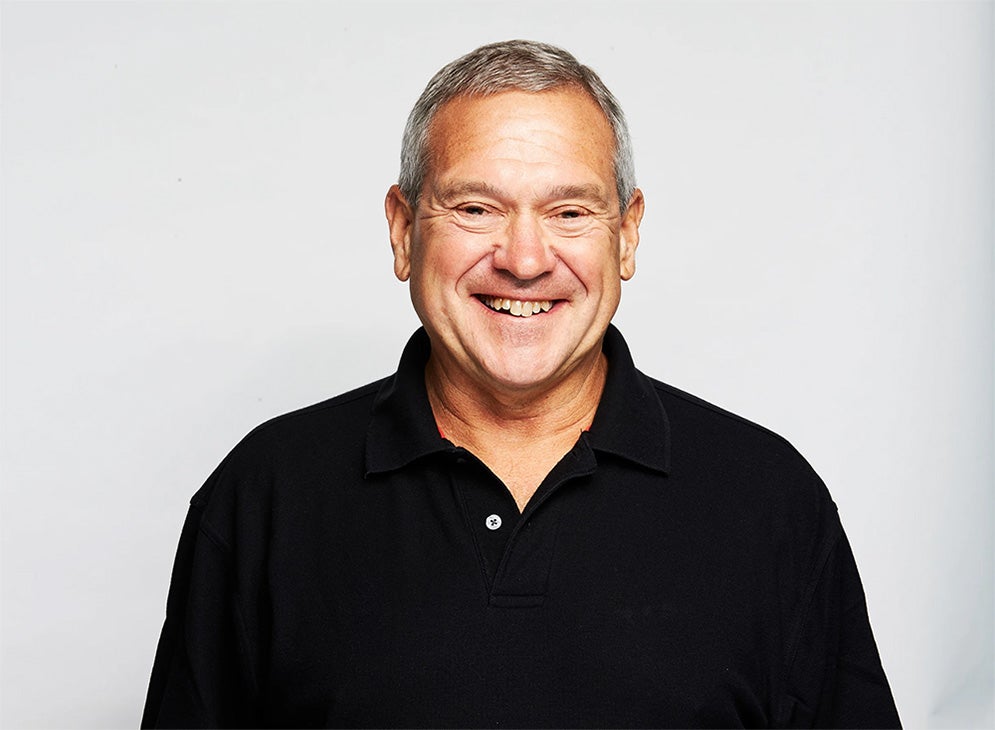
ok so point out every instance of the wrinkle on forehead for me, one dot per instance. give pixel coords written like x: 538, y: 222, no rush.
x: 562, y: 127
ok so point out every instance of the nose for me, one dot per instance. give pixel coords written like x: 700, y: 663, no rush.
x: 523, y: 250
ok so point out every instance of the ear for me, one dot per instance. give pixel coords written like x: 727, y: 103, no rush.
x: 400, y: 222
x: 629, y: 235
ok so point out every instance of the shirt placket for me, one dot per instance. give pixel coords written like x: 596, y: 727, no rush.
x: 515, y: 549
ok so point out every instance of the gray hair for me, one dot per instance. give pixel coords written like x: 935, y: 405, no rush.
x: 510, y: 65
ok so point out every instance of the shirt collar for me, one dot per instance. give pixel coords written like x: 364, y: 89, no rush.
x: 630, y: 422
x: 402, y: 428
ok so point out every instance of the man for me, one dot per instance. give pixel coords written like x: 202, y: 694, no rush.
x: 518, y: 528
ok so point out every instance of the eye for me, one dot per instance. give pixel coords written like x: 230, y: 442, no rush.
x: 478, y: 217
x: 570, y: 217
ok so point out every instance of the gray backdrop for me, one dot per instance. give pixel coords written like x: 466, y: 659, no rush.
x: 193, y: 241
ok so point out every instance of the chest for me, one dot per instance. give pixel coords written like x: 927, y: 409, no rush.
x: 590, y: 608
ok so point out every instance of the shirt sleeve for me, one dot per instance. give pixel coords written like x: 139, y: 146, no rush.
x: 835, y: 678
x: 201, y: 676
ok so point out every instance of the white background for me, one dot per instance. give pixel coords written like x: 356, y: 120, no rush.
x: 193, y: 241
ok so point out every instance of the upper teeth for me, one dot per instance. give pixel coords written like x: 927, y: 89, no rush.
x: 517, y: 306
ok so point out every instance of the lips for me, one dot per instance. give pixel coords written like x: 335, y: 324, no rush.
x: 517, y: 307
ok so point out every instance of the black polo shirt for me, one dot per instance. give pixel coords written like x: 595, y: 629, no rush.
x: 347, y: 566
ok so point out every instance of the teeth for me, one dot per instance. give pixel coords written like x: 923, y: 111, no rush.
x: 517, y: 307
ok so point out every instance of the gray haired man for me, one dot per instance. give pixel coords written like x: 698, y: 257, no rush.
x: 518, y: 527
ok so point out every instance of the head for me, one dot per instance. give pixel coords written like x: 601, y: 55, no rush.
x: 515, y: 65
x: 516, y: 219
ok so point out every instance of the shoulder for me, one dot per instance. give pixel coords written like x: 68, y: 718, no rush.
x: 704, y: 430
x: 337, y: 418
x: 300, y: 446
x: 754, y: 484
x: 741, y: 463
x: 692, y: 414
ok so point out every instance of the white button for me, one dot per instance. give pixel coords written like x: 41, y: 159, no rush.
x: 493, y: 522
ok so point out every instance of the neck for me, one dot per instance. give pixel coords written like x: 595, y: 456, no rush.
x: 519, y: 436
x: 480, y: 418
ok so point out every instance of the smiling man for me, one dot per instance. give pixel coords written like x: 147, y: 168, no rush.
x: 516, y: 246
x: 517, y: 528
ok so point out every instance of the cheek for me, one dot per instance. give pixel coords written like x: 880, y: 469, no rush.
x: 451, y: 257
x: 440, y: 265
x: 594, y: 263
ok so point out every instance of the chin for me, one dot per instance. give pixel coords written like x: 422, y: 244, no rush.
x: 521, y: 374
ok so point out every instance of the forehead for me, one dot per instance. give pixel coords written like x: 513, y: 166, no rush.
x: 563, y: 124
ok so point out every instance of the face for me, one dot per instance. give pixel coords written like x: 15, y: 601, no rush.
x: 518, y: 246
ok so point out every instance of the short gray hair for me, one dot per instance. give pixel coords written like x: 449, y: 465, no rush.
x: 510, y: 65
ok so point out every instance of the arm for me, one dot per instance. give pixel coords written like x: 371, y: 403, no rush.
x: 201, y: 676
x: 835, y: 677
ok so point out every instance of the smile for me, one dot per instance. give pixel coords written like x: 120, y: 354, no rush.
x: 516, y: 307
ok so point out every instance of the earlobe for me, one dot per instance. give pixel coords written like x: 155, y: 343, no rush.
x: 629, y: 235
x: 400, y: 222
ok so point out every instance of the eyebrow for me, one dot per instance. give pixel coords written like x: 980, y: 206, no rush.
x: 587, y: 192
x: 459, y: 189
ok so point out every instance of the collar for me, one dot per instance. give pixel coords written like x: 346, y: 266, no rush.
x: 630, y: 422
